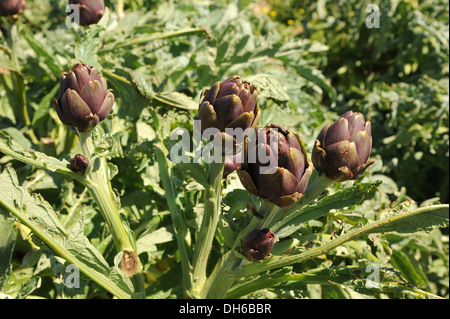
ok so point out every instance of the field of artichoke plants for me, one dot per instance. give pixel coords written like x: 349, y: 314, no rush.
x: 224, y: 149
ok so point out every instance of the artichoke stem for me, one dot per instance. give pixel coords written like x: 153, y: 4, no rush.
x: 103, y: 195
x: 222, y: 280
x: 213, y: 198
x: 316, y: 188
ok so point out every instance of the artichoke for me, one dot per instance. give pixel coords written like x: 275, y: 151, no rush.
x: 11, y: 7
x: 231, y: 104
x: 283, y: 183
x: 79, y: 163
x: 258, y: 244
x: 84, y: 99
x: 91, y: 11
x: 342, y: 148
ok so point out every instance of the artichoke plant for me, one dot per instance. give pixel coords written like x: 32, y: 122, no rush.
x: 232, y: 104
x: 84, y: 99
x: 11, y: 7
x: 258, y: 244
x: 91, y: 11
x: 342, y: 148
x: 284, y: 183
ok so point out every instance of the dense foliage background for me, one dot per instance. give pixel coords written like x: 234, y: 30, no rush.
x: 321, y: 60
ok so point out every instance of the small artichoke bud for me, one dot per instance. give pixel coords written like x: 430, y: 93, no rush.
x: 275, y: 166
x: 79, y: 163
x: 11, y: 7
x: 229, y: 105
x: 84, y: 99
x: 232, y: 163
x: 258, y: 244
x: 91, y: 11
x: 342, y: 148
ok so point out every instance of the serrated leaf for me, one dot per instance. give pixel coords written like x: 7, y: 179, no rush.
x: 420, y: 219
x: 88, y: 46
x: 7, y: 243
x: 269, y: 86
x: 423, y: 218
x: 147, y: 243
x: 80, y: 246
x: 35, y: 213
x: 40, y: 160
x: 176, y: 99
x: 344, y: 198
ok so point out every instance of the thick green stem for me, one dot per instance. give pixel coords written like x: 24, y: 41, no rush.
x: 218, y: 286
x: 221, y: 280
x: 209, y: 224
x: 102, y: 192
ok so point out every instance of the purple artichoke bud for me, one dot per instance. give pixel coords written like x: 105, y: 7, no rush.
x: 276, y: 166
x: 79, y: 163
x: 11, y: 7
x: 84, y: 99
x: 342, y: 148
x: 232, y: 104
x: 258, y: 244
x: 91, y: 11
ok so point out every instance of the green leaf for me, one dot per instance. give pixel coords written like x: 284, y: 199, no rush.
x: 37, y: 159
x: 401, y: 219
x: 35, y: 213
x: 423, y: 218
x: 269, y: 86
x: 344, y: 198
x: 176, y: 99
x: 28, y: 287
x: 147, y: 243
x: 81, y: 247
x: 319, y: 79
x: 50, y: 61
x: 44, y: 105
x: 178, y: 219
x: 88, y: 46
x: 196, y: 171
x: 141, y: 39
x: 7, y: 242
x: 409, y: 268
x: 127, y: 93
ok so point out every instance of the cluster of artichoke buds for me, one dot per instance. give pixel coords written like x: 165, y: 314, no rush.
x: 273, y: 163
x: 91, y: 11
x: 11, y: 7
x: 84, y: 99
